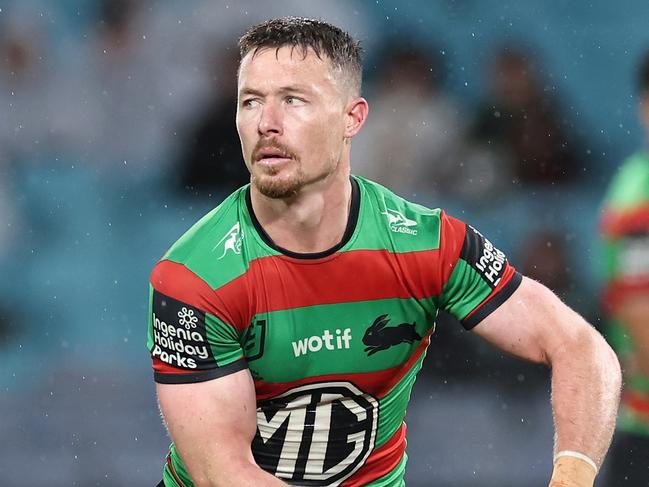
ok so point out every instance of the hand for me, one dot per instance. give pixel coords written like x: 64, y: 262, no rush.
x: 572, y: 472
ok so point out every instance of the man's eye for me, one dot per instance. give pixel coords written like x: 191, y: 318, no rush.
x: 292, y: 100
x: 249, y: 103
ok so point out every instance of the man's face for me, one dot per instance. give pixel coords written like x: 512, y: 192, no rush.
x: 290, y: 118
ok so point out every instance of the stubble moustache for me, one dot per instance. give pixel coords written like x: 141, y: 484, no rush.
x: 276, y: 182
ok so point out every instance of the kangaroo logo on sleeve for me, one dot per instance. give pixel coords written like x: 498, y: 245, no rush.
x: 379, y: 336
x: 231, y: 241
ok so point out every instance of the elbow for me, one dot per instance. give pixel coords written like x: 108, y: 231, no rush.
x: 609, y: 357
x: 605, y: 358
x: 589, y: 347
x: 610, y: 372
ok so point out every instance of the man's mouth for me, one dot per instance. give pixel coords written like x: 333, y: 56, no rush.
x: 271, y: 156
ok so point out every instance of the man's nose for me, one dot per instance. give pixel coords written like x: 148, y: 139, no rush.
x: 270, y: 122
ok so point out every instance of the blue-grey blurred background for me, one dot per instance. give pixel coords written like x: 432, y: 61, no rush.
x: 117, y: 132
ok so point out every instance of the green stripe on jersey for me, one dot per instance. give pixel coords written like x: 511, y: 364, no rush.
x: 337, y: 338
x: 464, y: 291
x: 610, y: 259
x: 394, y: 478
x: 179, y: 469
x: 223, y: 340
x: 392, y: 407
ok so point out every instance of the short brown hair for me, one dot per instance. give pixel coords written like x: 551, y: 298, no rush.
x: 343, y: 51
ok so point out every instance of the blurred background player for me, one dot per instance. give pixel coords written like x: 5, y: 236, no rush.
x: 526, y: 123
x: 625, y: 233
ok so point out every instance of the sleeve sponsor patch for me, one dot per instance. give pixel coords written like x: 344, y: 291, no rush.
x: 179, y: 336
x: 481, y: 254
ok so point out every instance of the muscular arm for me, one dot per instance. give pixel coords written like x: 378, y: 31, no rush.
x: 535, y: 325
x: 212, y: 424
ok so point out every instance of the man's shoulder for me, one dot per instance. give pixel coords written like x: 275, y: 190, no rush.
x: 201, y: 234
x: 397, y: 208
x: 207, y: 248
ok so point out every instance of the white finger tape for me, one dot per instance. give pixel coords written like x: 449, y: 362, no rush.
x: 576, y: 454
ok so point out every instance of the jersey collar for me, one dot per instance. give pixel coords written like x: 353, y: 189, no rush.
x: 349, y: 229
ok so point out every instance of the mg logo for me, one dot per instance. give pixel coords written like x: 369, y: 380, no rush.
x: 318, y: 434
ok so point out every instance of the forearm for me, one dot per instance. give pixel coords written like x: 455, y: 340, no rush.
x: 586, y: 383
x: 240, y: 475
x: 212, y: 425
x: 222, y: 463
x: 535, y: 325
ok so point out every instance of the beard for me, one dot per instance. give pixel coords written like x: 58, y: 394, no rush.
x: 277, y: 182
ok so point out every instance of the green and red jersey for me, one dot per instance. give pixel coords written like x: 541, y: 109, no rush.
x: 625, y: 236
x: 333, y: 340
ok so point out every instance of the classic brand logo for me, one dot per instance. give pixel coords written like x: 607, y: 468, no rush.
x: 318, y: 434
x: 398, y: 222
x: 379, y: 336
x: 232, y: 241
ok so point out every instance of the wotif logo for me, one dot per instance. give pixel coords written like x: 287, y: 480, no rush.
x: 315, y: 343
x: 399, y: 223
x: 232, y: 241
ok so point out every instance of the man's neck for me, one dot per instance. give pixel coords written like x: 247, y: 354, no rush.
x: 312, y: 221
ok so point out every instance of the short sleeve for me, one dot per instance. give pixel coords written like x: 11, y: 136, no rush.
x: 481, y: 277
x: 188, y: 339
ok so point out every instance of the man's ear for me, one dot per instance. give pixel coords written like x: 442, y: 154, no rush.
x: 356, y: 113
